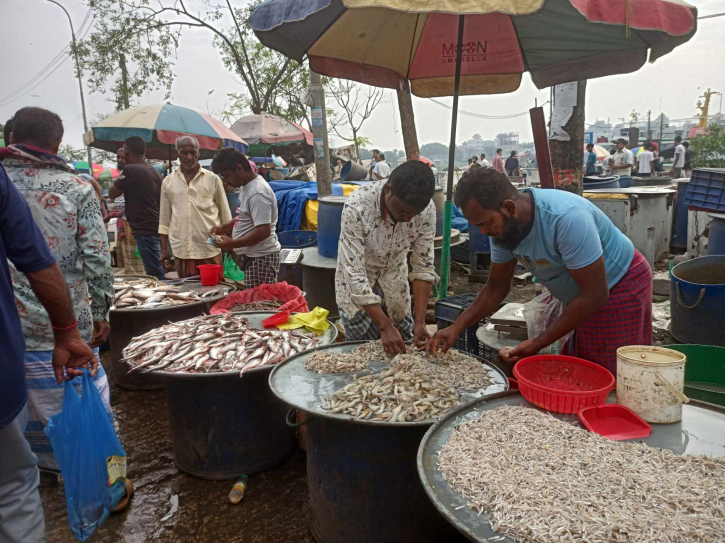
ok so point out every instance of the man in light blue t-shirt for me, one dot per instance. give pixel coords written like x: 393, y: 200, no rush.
x: 573, y: 249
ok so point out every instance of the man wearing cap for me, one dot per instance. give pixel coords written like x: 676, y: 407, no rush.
x: 623, y: 160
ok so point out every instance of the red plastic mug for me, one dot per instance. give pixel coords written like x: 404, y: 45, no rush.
x: 210, y: 274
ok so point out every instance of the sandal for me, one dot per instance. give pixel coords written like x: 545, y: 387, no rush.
x: 123, y: 503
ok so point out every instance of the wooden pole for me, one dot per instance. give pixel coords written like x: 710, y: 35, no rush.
x: 541, y: 143
x: 407, y: 122
x: 319, y: 132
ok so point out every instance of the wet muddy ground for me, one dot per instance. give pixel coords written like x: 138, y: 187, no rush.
x: 274, y: 507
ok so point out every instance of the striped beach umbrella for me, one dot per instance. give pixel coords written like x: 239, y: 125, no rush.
x: 160, y: 125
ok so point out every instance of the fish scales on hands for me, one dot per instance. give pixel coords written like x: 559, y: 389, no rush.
x: 150, y: 293
x: 543, y: 479
x: 415, y: 388
x: 336, y: 362
x: 213, y: 343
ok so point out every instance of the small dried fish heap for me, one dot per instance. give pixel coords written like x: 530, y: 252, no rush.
x: 415, y: 388
x: 336, y: 362
x: 259, y: 305
x: 543, y: 479
x: 149, y: 293
x: 213, y: 343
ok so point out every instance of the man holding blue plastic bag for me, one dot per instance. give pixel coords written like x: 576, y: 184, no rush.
x: 22, y: 243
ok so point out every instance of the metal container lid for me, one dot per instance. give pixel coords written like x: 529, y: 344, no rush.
x: 254, y: 321
x: 640, y: 191
x: 702, y: 431
x: 304, y: 389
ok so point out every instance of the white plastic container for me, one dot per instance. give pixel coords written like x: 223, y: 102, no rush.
x: 640, y: 388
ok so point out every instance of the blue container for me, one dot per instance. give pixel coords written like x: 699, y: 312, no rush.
x: 592, y: 182
x: 329, y: 216
x: 716, y: 239
x: 233, y: 200
x: 706, y: 189
x: 479, y: 255
x: 678, y: 240
x: 625, y: 181
x: 294, y: 239
x: 697, y: 301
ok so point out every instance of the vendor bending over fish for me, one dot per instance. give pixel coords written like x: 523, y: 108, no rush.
x: 381, y: 224
x: 573, y: 249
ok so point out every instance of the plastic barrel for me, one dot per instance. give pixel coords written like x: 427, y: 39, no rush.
x: 716, y: 240
x: 329, y: 216
x: 697, y: 301
x: 592, y: 182
x: 294, y: 239
x: 625, y: 181
x: 439, y: 200
x: 352, y: 171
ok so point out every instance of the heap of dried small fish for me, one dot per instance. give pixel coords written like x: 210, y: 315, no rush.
x: 415, y: 388
x: 213, y: 343
x: 337, y: 362
x: 543, y: 479
x: 149, y: 293
x: 259, y: 305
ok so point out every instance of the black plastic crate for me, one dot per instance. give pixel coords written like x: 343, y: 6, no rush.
x: 461, y: 253
x: 448, y: 310
x: 706, y: 189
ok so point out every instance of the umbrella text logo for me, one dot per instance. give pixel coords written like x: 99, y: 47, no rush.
x: 473, y: 51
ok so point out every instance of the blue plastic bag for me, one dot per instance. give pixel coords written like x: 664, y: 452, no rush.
x: 90, y: 456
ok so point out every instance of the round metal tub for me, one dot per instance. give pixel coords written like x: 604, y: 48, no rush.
x: 701, y: 431
x: 223, y: 426
x: 127, y: 324
x: 362, y: 475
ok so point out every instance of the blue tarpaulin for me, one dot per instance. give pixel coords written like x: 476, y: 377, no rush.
x: 458, y: 221
x: 292, y: 198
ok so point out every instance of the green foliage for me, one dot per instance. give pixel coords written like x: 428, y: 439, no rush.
x: 125, y: 34
x: 434, y: 149
x: 70, y: 154
x: 708, y: 148
x: 365, y: 154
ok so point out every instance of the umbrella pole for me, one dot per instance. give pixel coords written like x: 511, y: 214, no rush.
x: 448, y: 206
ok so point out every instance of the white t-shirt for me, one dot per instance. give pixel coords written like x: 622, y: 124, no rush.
x: 434, y: 170
x: 623, y: 158
x: 680, y: 152
x: 586, y: 158
x: 644, y: 160
x: 485, y: 163
x: 382, y: 169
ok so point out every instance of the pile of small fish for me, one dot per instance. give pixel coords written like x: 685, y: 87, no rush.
x: 415, y: 388
x: 149, y: 293
x: 543, y: 479
x: 259, y: 305
x: 213, y: 343
x: 337, y: 362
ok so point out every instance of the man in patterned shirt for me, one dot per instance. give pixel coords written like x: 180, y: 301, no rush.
x: 68, y: 213
x: 381, y: 224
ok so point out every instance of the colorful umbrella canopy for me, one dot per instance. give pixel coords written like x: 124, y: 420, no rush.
x: 108, y: 174
x: 82, y: 166
x: 383, y: 42
x: 266, y: 131
x: 600, y: 151
x: 160, y: 125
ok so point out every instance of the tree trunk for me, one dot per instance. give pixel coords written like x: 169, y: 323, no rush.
x: 322, y: 156
x: 357, y: 147
x: 567, y: 157
x: 407, y: 122
x: 124, y: 82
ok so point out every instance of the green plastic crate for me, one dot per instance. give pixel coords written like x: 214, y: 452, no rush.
x: 704, y: 372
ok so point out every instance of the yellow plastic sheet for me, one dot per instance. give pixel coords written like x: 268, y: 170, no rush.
x: 315, y: 321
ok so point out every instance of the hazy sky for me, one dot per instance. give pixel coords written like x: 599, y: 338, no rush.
x: 38, y: 31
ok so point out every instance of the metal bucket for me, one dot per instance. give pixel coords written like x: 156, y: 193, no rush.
x: 223, y: 426
x: 352, y: 171
x: 362, y: 475
x: 329, y: 217
x: 697, y: 301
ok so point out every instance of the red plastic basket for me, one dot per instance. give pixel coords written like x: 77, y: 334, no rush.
x: 563, y: 384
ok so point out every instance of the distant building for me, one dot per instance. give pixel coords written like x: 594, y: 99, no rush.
x: 508, y: 141
x: 476, y: 146
x: 599, y: 132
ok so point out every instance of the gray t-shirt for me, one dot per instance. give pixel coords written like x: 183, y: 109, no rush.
x: 257, y: 205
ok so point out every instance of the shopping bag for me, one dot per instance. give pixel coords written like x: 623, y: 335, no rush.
x: 90, y: 456
x: 231, y: 270
x: 540, y: 313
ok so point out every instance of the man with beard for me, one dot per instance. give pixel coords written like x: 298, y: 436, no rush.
x: 574, y: 250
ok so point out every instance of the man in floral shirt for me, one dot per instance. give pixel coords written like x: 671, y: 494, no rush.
x: 67, y: 210
x: 381, y: 224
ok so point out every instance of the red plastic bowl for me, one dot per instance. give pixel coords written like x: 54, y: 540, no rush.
x: 614, y: 421
x: 563, y: 384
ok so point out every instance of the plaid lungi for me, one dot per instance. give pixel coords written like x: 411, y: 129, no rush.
x: 45, y: 399
x: 186, y: 267
x: 258, y: 270
x: 360, y: 326
x: 626, y: 319
x: 132, y: 265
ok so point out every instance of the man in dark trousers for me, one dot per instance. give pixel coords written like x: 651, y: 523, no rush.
x: 140, y: 183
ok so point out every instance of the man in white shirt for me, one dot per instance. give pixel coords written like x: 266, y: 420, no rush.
x: 623, y: 160
x: 646, y: 161
x: 484, y: 163
x: 679, y: 161
x: 381, y: 170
